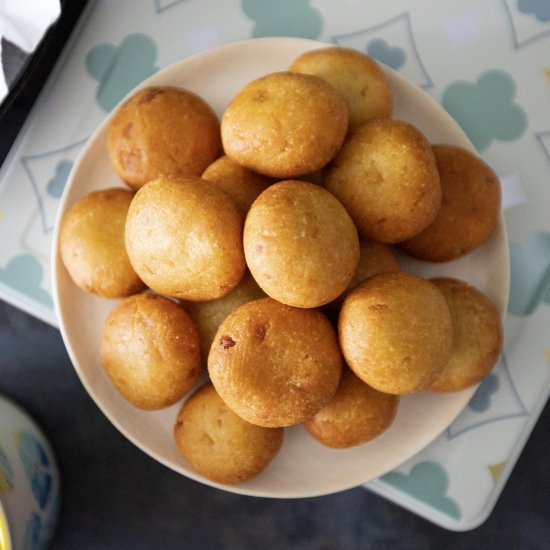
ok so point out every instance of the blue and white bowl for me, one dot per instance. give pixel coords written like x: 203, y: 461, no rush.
x: 29, y: 482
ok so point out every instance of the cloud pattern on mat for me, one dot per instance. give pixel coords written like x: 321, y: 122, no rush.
x: 529, y: 21
x: 24, y: 273
x: 393, y: 56
x: 284, y: 18
x: 505, y: 402
x: 57, y: 183
x: 539, y: 8
x: 393, y: 43
x: 481, y: 400
x: 486, y: 110
x: 119, y: 69
x: 428, y: 482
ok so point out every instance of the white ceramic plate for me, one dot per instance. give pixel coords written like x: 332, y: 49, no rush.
x: 303, y: 467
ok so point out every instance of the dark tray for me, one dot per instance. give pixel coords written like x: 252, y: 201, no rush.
x: 28, y: 73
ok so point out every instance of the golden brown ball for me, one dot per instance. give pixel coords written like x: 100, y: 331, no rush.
x: 356, y: 414
x: 242, y: 184
x: 275, y: 365
x: 184, y: 238
x: 386, y: 177
x: 355, y: 76
x: 284, y: 125
x: 478, y: 334
x: 209, y: 315
x: 374, y: 258
x: 470, y: 207
x: 300, y: 244
x: 396, y: 332
x: 220, y: 445
x: 150, y: 351
x: 162, y: 130
x: 91, y: 243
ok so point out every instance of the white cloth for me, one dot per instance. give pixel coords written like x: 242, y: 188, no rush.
x: 24, y: 23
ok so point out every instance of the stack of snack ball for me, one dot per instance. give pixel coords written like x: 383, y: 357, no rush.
x: 262, y: 246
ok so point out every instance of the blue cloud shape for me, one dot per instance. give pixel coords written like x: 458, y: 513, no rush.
x: 428, y: 482
x: 539, y: 8
x: 119, y: 69
x: 57, y: 183
x: 393, y: 56
x: 486, y: 110
x: 284, y: 18
x: 481, y: 400
x: 529, y: 273
x: 24, y: 273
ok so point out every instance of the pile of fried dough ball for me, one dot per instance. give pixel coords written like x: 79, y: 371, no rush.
x: 263, y: 246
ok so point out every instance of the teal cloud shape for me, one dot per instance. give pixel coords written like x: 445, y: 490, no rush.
x: 393, y: 56
x: 284, y: 18
x: 24, y: 273
x: 391, y: 42
x: 119, y: 69
x: 481, y: 400
x: 47, y: 173
x: 529, y: 273
x: 57, y: 183
x: 428, y: 482
x: 498, y: 400
x: 539, y: 8
x: 486, y: 110
x: 528, y: 21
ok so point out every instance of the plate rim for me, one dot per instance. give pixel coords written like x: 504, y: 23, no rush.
x: 56, y: 263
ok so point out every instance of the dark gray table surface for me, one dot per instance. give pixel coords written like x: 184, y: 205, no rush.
x: 115, y: 496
